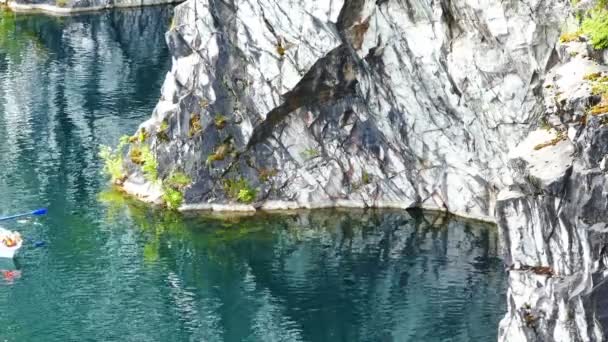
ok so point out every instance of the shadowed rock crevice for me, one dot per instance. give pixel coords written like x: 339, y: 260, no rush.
x: 330, y: 79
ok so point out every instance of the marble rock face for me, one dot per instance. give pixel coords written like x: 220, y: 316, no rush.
x: 353, y: 103
x: 552, y: 217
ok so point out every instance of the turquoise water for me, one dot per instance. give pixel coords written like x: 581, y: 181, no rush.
x: 114, y: 270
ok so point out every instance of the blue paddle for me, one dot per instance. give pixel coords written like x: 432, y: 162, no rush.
x: 38, y: 212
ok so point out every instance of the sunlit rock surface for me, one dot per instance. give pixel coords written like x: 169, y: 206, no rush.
x: 354, y: 103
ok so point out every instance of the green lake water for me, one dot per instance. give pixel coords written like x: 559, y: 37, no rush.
x: 115, y: 270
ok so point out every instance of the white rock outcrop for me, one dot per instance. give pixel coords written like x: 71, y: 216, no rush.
x: 370, y: 103
x: 552, y: 218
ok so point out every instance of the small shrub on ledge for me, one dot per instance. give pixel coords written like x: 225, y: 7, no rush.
x: 150, y: 164
x: 596, y: 27
x: 136, y: 155
x: 178, y: 180
x: 162, y: 134
x: 240, y: 190
x: 220, y: 153
x: 113, y: 160
x: 173, y: 198
x: 195, y: 125
x: 173, y: 188
x: 220, y: 121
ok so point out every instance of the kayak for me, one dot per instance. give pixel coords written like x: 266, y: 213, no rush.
x: 10, y: 242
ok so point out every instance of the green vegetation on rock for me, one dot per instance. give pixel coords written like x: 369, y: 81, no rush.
x: 246, y: 195
x: 162, y: 135
x: 178, y: 180
x: 595, y: 25
x: 195, y: 125
x: 139, y: 137
x: 594, y: 76
x: 172, y: 198
x: 113, y: 160
x: 310, y: 153
x: 599, y: 83
x: 142, y: 135
x: 220, y: 121
x: 173, y: 187
x: 164, y: 125
x: 136, y: 156
x: 544, y: 124
x: 220, y: 153
x: 149, y: 164
x: 365, y: 178
x: 112, y: 164
x: 599, y: 86
x: 172, y: 25
x: 601, y: 107
x: 240, y: 190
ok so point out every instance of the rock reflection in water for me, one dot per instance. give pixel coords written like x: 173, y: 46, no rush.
x: 334, y: 275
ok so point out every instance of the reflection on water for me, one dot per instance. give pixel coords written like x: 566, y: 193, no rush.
x: 114, y: 270
x: 66, y: 86
x: 325, y: 275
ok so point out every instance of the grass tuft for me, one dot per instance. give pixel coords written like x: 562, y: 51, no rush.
x: 177, y: 180
x: 195, y: 125
x: 220, y: 121
x: 596, y: 27
x: 149, y: 164
x: 173, y: 188
x: 113, y: 160
x: 220, y: 153
x: 240, y: 190
x: 173, y: 198
x: 310, y: 153
x: 162, y: 134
